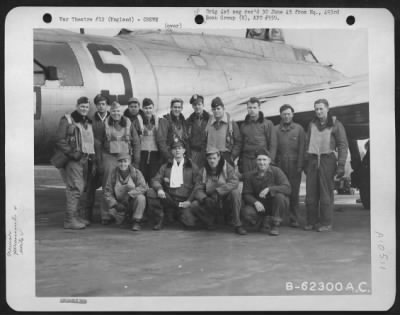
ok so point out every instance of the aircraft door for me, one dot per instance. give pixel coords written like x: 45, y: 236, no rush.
x: 58, y: 83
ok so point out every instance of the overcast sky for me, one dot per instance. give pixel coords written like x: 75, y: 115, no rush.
x: 347, y: 50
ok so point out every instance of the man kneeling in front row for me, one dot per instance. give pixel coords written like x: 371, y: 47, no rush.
x: 266, y: 194
x: 217, y: 187
x: 173, y: 189
x: 125, y: 192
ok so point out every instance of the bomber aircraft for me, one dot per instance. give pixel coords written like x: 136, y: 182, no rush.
x: 164, y: 64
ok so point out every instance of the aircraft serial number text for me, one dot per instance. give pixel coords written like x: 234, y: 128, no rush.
x: 322, y: 286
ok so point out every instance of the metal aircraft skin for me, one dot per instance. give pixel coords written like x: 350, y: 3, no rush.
x: 164, y: 65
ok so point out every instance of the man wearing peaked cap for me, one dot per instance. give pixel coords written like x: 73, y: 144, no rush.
x: 172, y: 192
x: 265, y: 193
x: 135, y: 114
x: 125, y: 192
x: 257, y: 132
x: 172, y: 126
x: 197, y: 124
x: 223, y: 132
x: 290, y: 156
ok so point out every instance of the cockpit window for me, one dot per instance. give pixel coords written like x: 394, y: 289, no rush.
x: 305, y: 55
x: 54, y: 61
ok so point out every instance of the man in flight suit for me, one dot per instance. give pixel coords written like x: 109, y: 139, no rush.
x: 75, y: 139
x: 119, y: 136
x: 266, y: 193
x: 134, y: 113
x: 290, y: 156
x: 197, y: 124
x: 324, y: 136
x: 173, y: 189
x: 257, y: 132
x: 223, y: 133
x: 125, y: 192
x: 172, y: 128
x: 216, y: 188
x: 96, y: 178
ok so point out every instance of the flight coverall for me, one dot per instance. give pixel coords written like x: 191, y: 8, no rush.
x: 321, y: 164
x: 256, y: 135
x: 197, y: 137
x: 169, y: 131
x: 118, y: 137
x: 170, y: 205
x: 290, y: 159
x: 218, y: 190
x: 76, y: 140
x: 276, y: 201
x: 129, y: 192
x: 95, y: 180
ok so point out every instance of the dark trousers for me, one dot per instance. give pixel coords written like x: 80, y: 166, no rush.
x: 159, y: 208
x: 149, y: 164
x: 198, y: 157
x: 94, y: 182
x: 247, y: 164
x: 229, y: 205
x: 319, y: 189
x: 274, y: 207
x: 228, y: 157
x: 289, y: 167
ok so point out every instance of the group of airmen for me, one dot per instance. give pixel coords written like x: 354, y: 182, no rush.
x: 172, y: 169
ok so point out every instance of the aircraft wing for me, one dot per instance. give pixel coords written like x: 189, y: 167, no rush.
x: 342, y: 93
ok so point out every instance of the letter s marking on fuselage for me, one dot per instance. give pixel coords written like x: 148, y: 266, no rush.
x: 112, y: 68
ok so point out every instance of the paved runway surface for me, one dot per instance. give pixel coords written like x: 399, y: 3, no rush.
x: 113, y: 261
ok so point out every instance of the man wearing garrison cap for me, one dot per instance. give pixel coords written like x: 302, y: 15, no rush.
x: 265, y: 193
x: 197, y: 124
x: 290, y: 156
x: 325, y: 135
x: 257, y: 132
x: 223, y: 132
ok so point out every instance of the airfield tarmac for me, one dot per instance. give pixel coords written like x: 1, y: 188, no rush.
x: 112, y: 261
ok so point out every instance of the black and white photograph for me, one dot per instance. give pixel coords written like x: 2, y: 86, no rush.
x: 201, y: 168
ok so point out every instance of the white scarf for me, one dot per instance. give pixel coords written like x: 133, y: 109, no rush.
x: 176, y: 174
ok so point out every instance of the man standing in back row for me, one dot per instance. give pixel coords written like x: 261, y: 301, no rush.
x: 197, y: 124
x: 172, y: 129
x: 95, y: 179
x: 257, y: 133
x: 290, y: 156
x: 325, y: 135
x: 223, y: 133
